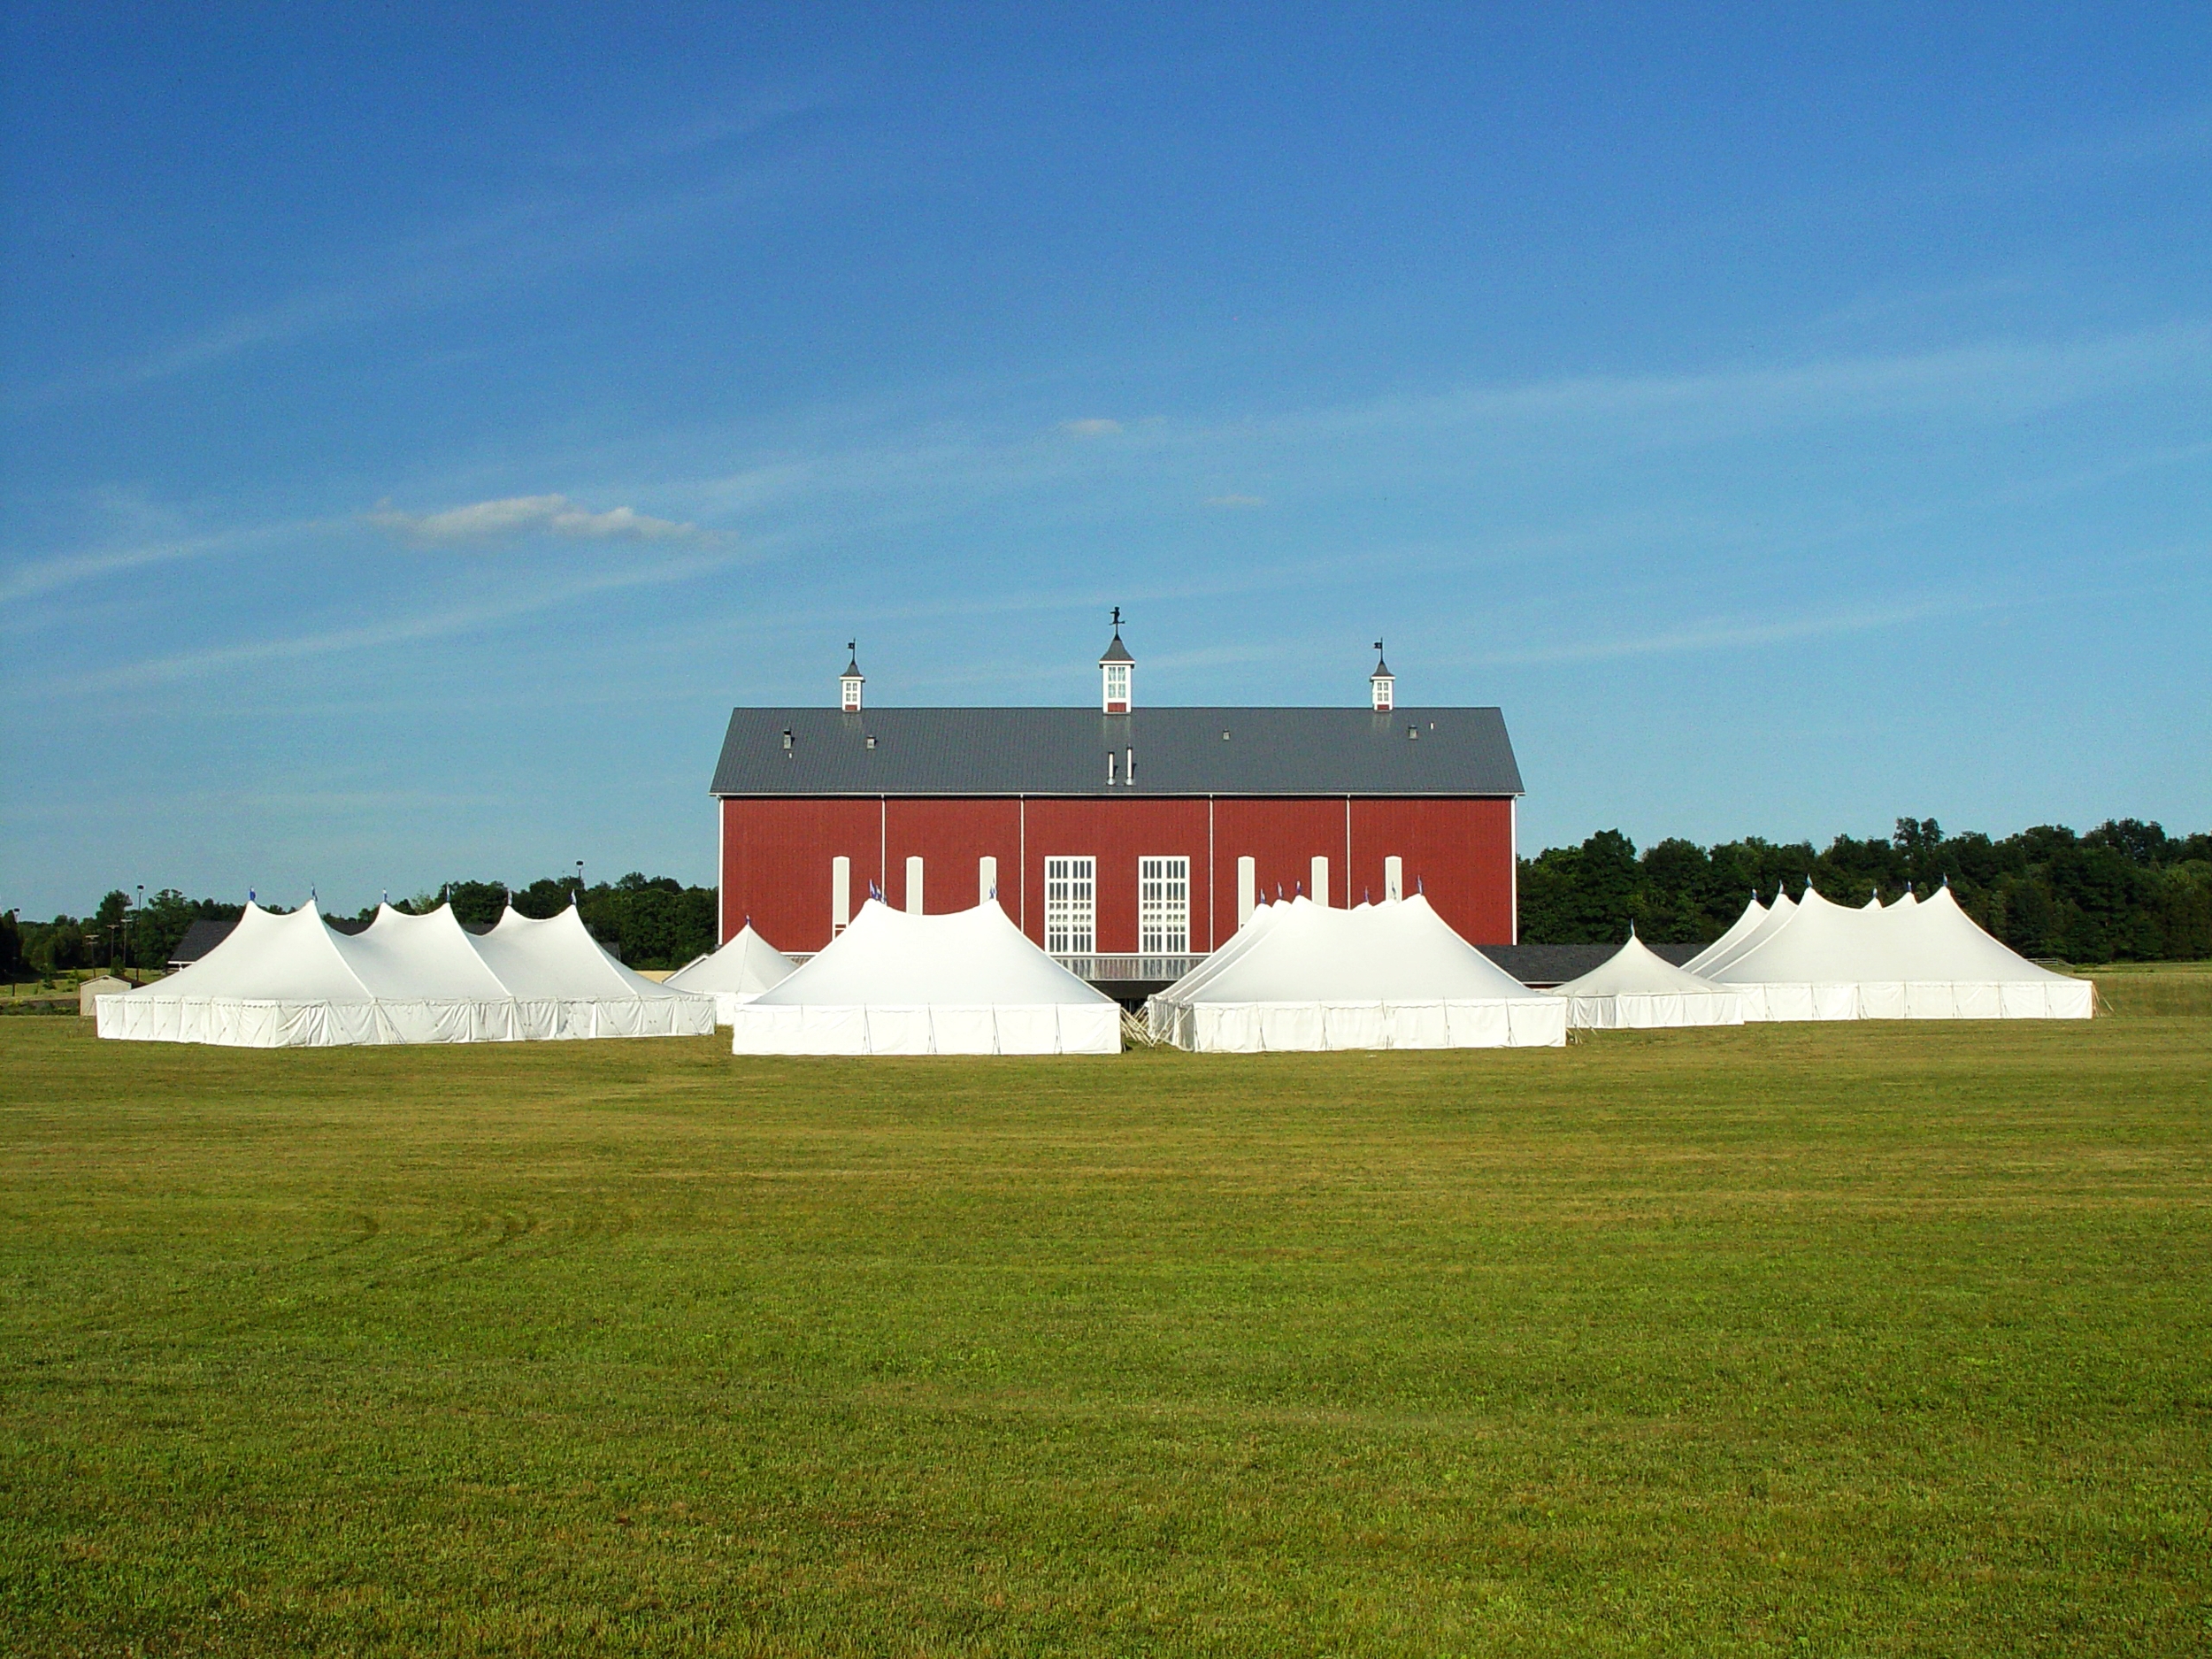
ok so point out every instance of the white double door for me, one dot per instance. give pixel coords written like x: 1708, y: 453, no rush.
x: 1072, y: 906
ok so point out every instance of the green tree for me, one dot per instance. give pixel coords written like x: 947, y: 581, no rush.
x: 475, y: 903
x: 2126, y: 890
x: 548, y: 895
x: 64, y: 948
x: 162, y: 921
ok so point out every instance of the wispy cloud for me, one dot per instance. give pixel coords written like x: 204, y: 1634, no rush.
x: 2001, y: 378
x: 604, y: 216
x: 649, y: 145
x: 397, y: 631
x: 44, y: 576
x: 1733, y: 634
x: 514, y: 516
x: 937, y: 467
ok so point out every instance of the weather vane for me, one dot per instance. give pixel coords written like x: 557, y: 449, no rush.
x: 1117, y: 619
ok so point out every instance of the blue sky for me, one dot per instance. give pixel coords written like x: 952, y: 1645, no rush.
x: 418, y: 432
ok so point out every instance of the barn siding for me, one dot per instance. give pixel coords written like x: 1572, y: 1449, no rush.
x: 776, y: 854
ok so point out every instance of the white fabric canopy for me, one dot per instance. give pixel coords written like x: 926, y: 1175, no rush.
x: 557, y: 960
x: 293, y: 981
x: 1635, y: 990
x: 1708, y: 963
x: 1754, y: 913
x: 1917, y: 961
x: 735, y: 974
x: 969, y: 982
x: 1303, y: 975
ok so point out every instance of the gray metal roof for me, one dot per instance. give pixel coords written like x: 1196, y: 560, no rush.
x: 201, y: 937
x: 1116, y: 653
x: 1063, y: 752
x: 204, y: 934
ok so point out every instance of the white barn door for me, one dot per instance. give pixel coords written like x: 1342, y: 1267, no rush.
x: 1071, y: 907
x: 1163, y: 907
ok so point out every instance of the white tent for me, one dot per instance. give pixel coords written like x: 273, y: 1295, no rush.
x: 557, y: 960
x: 292, y: 982
x: 433, y: 985
x: 735, y: 974
x: 1922, y: 961
x: 1708, y: 963
x: 969, y: 982
x: 277, y: 981
x: 1163, y: 1011
x: 1635, y: 990
x: 1392, y: 975
x: 1746, y: 925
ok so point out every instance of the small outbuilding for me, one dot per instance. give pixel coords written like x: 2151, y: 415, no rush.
x: 91, y: 992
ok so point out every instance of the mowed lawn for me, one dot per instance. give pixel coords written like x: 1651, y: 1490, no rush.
x: 1874, y: 1339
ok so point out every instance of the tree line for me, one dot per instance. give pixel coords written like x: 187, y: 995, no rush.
x: 2124, y: 891
x: 648, y: 921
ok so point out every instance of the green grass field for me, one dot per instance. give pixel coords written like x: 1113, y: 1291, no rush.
x: 1855, y: 1339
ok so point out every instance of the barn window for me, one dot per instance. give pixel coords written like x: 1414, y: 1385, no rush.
x: 1070, y: 906
x: 1163, y: 907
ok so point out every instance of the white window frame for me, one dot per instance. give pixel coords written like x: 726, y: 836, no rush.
x: 1117, y: 685
x: 1163, y: 906
x: 1070, y: 906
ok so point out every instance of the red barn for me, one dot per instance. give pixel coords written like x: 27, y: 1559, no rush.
x: 1116, y: 831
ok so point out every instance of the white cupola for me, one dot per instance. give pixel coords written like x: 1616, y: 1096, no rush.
x: 1116, y: 670
x: 850, y: 682
x: 1382, y: 685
